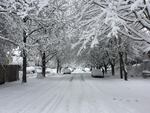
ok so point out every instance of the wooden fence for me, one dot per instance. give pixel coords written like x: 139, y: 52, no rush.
x: 9, y: 73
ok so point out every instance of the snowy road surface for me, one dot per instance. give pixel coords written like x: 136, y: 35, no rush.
x: 76, y: 93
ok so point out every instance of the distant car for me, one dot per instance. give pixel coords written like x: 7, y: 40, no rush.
x: 97, y: 73
x: 30, y: 70
x: 146, y: 73
x: 48, y: 70
x: 38, y: 69
x: 66, y: 71
x: 146, y: 68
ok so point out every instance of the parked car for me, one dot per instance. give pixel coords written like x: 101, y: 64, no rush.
x: 97, y: 73
x: 146, y: 73
x: 38, y: 69
x: 30, y: 70
x: 48, y: 70
x: 146, y: 68
x: 66, y: 71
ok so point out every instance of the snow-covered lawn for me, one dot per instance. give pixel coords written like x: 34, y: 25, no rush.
x: 76, y: 93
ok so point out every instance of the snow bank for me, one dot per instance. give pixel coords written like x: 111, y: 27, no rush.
x: 78, y: 71
x: 52, y: 70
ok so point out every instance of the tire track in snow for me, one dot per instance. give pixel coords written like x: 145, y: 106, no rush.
x: 38, y: 99
x: 21, y: 93
x: 71, y: 79
x: 57, y: 96
x: 20, y: 97
x: 32, y: 102
x: 51, y: 108
x: 73, y: 97
x: 88, y: 103
x: 82, y: 78
x: 113, y: 107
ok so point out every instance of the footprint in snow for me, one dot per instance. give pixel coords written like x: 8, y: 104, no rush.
x: 128, y: 100
x: 114, y: 99
x: 117, y: 99
x: 136, y: 100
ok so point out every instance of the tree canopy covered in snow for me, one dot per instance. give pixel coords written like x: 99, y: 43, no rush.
x: 100, y: 30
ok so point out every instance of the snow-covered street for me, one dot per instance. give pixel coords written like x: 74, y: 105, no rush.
x: 76, y: 93
x: 74, y: 56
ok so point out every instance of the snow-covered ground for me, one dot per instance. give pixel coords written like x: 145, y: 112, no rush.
x: 76, y: 93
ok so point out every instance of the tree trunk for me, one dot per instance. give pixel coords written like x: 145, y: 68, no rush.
x: 24, y: 77
x: 125, y: 72
x: 58, y: 66
x: 105, y: 67
x: 124, y: 68
x: 57, y: 69
x: 121, y: 64
x: 126, y: 58
x: 112, y: 69
x: 125, y: 75
x: 43, y: 64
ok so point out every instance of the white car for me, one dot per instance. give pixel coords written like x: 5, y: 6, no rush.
x: 146, y: 73
x: 48, y: 70
x: 38, y: 69
x: 30, y: 70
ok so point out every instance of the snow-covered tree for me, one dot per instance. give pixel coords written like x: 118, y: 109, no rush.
x: 52, y: 37
x: 102, y: 20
